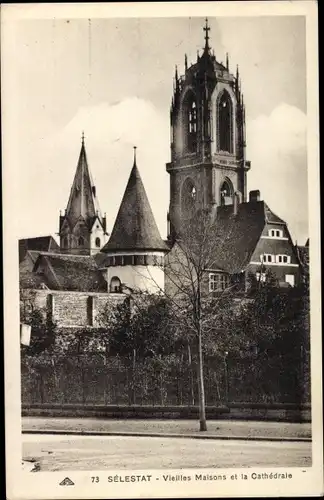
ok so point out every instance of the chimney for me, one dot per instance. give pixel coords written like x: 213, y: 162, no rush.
x: 254, y: 196
x: 237, y: 200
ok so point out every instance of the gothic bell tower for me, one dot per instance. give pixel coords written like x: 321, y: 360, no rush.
x: 207, y: 115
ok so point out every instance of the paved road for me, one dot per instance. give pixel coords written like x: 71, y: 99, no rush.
x: 231, y: 428
x: 121, y: 452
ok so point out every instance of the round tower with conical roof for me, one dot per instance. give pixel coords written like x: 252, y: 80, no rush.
x: 135, y: 250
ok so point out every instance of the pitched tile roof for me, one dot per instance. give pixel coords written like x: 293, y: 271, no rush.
x: 40, y: 243
x: 238, y: 234
x: 272, y: 217
x: 71, y: 272
x: 135, y: 227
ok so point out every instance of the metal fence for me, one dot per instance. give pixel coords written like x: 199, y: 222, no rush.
x: 94, y: 380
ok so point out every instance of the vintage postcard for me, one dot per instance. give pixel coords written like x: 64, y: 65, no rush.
x: 162, y: 276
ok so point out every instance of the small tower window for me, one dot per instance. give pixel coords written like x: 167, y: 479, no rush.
x: 98, y: 242
x: 65, y: 242
x: 225, y: 123
x: 226, y: 193
x: 193, y: 118
x: 81, y: 241
x: 115, y: 285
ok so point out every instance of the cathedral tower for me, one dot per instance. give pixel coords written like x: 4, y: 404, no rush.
x: 207, y: 116
x: 82, y: 227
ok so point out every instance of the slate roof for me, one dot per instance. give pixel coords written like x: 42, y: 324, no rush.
x: 271, y: 217
x: 71, y: 272
x: 41, y: 244
x: 238, y: 235
x: 135, y: 227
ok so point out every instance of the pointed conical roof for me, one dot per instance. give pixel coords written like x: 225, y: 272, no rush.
x: 135, y: 227
x: 83, y: 200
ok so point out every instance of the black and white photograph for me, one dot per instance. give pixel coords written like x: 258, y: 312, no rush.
x: 162, y: 250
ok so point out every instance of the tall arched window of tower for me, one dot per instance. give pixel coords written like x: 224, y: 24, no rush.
x: 190, y: 122
x: 225, y: 123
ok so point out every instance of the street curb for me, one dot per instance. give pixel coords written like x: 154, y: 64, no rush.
x: 163, y: 435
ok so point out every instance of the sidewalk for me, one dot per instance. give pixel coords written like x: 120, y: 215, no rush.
x: 217, y: 429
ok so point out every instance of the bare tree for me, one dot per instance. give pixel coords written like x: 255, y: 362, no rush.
x: 196, y: 253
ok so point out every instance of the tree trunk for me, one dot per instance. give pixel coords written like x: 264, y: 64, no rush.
x: 192, y: 393
x: 133, y: 381
x: 201, y: 388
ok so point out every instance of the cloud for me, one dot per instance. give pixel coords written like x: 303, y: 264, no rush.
x: 111, y: 131
x: 276, y: 146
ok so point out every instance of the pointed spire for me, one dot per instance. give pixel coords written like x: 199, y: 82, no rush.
x: 186, y: 62
x: 82, y: 200
x: 134, y: 162
x: 237, y: 73
x: 135, y: 227
x: 197, y: 55
x: 227, y: 64
x: 206, y: 30
x: 176, y: 76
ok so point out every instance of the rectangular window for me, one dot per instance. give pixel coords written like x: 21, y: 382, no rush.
x: 275, y: 233
x: 267, y: 257
x: 290, y: 278
x: 218, y: 282
x: 127, y: 260
x: 283, y: 259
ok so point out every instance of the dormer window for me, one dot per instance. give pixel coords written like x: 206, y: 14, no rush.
x: 275, y: 233
x: 283, y: 259
x: 268, y: 258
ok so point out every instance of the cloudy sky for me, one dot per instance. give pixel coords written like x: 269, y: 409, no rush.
x: 112, y: 78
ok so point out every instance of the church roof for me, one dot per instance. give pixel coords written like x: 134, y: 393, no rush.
x: 238, y: 235
x: 83, y: 200
x: 40, y: 243
x: 135, y: 227
x: 70, y: 272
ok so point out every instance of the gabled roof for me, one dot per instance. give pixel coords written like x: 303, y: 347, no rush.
x: 71, y: 272
x: 272, y: 217
x: 41, y: 244
x: 135, y: 227
x: 83, y: 200
x: 238, y: 234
